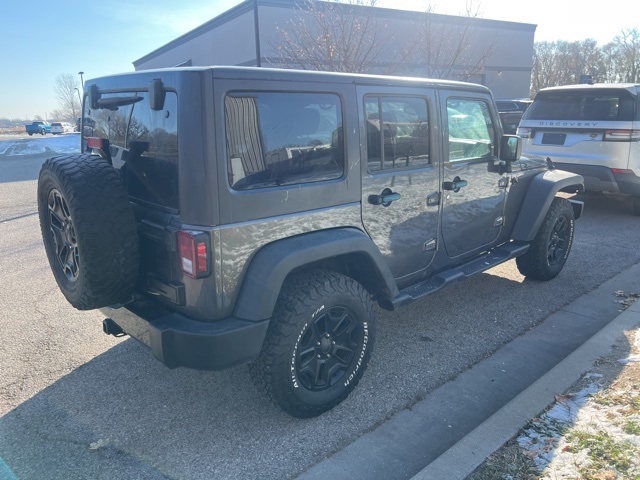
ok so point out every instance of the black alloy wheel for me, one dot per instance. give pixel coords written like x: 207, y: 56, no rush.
x: 558, y: 241
x: 327, y: 348
x: 63, y: 232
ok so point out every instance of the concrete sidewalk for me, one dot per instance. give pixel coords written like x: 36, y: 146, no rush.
x: 466, y: 455
x: 449, y: 433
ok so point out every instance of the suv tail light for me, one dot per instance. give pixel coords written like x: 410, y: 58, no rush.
x: 193, y: 249
x: 523, y: 132
x: 622, y: 171
x: 621, y: 135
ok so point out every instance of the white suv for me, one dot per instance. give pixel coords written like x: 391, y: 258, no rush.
x: 592, y: 130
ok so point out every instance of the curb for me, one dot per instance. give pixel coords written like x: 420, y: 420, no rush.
x: 465, y: 456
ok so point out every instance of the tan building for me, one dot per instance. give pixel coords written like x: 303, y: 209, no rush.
x: 494, y: 53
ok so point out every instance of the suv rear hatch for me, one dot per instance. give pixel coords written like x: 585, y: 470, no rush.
x: 142, y: 145
x: 589, y: 126
x: 589, y: 130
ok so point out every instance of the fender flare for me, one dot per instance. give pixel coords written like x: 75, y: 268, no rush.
x: 270, y: 266
x: 541, y: 192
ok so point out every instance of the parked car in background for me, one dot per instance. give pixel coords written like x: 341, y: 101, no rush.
x: 591, y: 130
x: 58, y: 128
x: 510, y: 112
x: 38, y: 127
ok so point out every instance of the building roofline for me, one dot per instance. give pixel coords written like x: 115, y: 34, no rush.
x: 248, y: 5
x: 241, y: 8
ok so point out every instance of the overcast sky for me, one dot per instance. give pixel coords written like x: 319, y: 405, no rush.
x: 40, y: 41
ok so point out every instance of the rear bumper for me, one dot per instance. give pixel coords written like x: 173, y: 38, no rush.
x: 603, y: 179
x: 178, y: 341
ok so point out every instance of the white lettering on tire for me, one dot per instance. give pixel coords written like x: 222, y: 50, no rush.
x: 350, y: 378
x: 294, y: 378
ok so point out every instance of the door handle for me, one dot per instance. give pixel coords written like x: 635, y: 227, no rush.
x: 456, y: 185
x: 385, y: 198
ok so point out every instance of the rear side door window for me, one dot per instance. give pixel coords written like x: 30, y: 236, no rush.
x: 397, y: 132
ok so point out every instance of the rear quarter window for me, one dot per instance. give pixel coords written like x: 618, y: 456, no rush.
x: 601, y: 105
x: 283, y: 138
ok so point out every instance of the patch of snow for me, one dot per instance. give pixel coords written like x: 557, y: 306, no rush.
x: 545, y: 440
x: 629, y: 359
x: 53, y: 144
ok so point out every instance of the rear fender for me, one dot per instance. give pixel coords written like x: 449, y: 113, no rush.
x: 272, y: 264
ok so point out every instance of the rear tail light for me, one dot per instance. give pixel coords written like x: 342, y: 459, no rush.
x: 96, y: 142
x: 622, y: 171
x: 193, y: 249
x: 523, y: 132
x: 622, y: 135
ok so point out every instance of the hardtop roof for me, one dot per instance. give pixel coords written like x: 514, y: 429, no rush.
x: 277, y: 74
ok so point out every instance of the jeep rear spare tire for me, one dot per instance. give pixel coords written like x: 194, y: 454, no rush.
x: 88, y: 230
x: 318, y: 344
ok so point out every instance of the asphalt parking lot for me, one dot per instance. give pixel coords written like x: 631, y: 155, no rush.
x: 75, y: 403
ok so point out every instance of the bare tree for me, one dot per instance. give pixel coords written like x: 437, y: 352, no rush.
x: 350, y: 37
x: 563, y: 63
x: 338, y: 37
x: 65, y: 90
x: 625, y: 55
x: 450, y: 50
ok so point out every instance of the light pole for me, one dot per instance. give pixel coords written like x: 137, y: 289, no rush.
x: 81, y: 79
x: 78, y: 92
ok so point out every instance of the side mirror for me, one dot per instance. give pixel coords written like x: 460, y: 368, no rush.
x: 510, y: 148
x: 156, y: 94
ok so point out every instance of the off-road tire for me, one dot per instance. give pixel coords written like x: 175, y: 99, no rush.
x: 43, y: 131
x: 88, y: 230
x: 551, y: 246
x: 323, y: 321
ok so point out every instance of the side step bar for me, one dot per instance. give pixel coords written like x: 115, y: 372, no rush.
x: 447, y: 277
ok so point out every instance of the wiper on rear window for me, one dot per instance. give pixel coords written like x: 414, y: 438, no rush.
x: 112, y: 103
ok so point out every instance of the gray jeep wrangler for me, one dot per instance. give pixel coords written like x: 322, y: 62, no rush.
x: 230, y: 215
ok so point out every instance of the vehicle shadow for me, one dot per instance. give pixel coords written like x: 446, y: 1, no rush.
x: 124, y: 415
x: 607, y: 202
